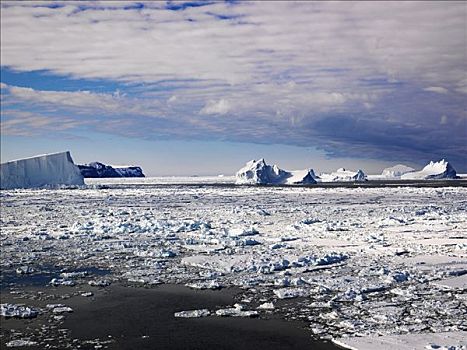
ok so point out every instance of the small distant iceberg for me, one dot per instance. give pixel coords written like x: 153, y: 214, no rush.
x: 101, y: 170
x: 260, y: 173
x: 434, y: 170
x: 56, y: 169
x: 343, y: 175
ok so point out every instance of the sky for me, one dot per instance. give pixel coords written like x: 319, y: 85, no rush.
x: 200, y: 88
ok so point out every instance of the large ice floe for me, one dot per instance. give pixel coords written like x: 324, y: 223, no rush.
x: 258, y: 172
x: 100, y: 170
x: 367, y: 267
x: 343, y: 175
x: 434, y: 170
x: 45, y: 170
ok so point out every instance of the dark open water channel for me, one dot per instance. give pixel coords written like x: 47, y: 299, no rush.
x: 139, y: 318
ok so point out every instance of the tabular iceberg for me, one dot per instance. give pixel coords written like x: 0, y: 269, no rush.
x: 434, y: 170
x: 98, y: 170
x: 396, y: 171
x: 342, y: 175
x: 44, y: 170
x: 258, y: 172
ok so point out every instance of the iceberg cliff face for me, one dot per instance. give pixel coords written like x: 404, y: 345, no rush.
x: 258, y: 172
x: 434, y: 170
x: 396, y: 171
x: 98, y: 170
x: 342, y: 175
x: 45, y: 170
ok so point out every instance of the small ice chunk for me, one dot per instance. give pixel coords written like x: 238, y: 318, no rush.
x: 62, y: 282
x: 266, y: 306
x: 289, y: 293
x: 99, y: 283
x: 241, y: 232
x: 62, y: 309
x: 24, y: 270
x: 75, y: 274
x: 205, y: 285
x: 193, y: 313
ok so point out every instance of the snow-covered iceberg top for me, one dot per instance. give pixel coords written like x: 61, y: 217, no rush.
x: 45, y: 170
x: 258, y: 172
x: 434, y: 170
x: 396, y: 171
x: 99, y: 170
x: 343, y: 175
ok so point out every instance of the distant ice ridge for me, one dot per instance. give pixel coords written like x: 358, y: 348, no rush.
x: 258, y: 172
x: 434, y: 170
x: 343, y: 175
x: 39, y: 171
x: 99, y: 170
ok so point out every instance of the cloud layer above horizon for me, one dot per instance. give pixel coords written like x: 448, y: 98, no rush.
x: 376, y: 80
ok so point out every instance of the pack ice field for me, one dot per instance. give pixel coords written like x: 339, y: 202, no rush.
x: 353, y: 263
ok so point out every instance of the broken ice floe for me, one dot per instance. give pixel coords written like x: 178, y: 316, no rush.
x: 20, y: 343
x: 18, y: 311
x: 62, y: 282
x: 193, y: 313
x: 237, y: 311
x: 59, y: 308
x: 205, y: 285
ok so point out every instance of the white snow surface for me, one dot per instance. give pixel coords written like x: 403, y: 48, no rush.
x: 343, y: 175
x: 434, y: 170
x: 439, y: 341
x: 351, y: 262
x: 45, y: 170
x: 259, y: 172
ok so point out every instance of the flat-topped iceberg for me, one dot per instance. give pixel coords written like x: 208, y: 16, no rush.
x: 343, y: 175
x: 99, y: 170
x: 258, y: 172
x: 396, y: 171
x: 434, y: 170
x: 45, y: 170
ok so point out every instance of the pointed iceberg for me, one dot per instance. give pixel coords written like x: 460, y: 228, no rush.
x: 434, y: 170
x: 260, y: 173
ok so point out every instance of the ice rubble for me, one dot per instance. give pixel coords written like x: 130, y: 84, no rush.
x: 45, y: 170
x: 434, y: 170
x: 343, y: 175
x: 396, y: 171
x: 258, y: 172
x: 99, y: 170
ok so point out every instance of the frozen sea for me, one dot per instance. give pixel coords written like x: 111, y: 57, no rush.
x: 357, y: 264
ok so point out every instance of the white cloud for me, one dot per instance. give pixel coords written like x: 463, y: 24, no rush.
x: 220, y: 107
x: 437, y: 89
x: 400, y: 40
x: 278, y: 69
